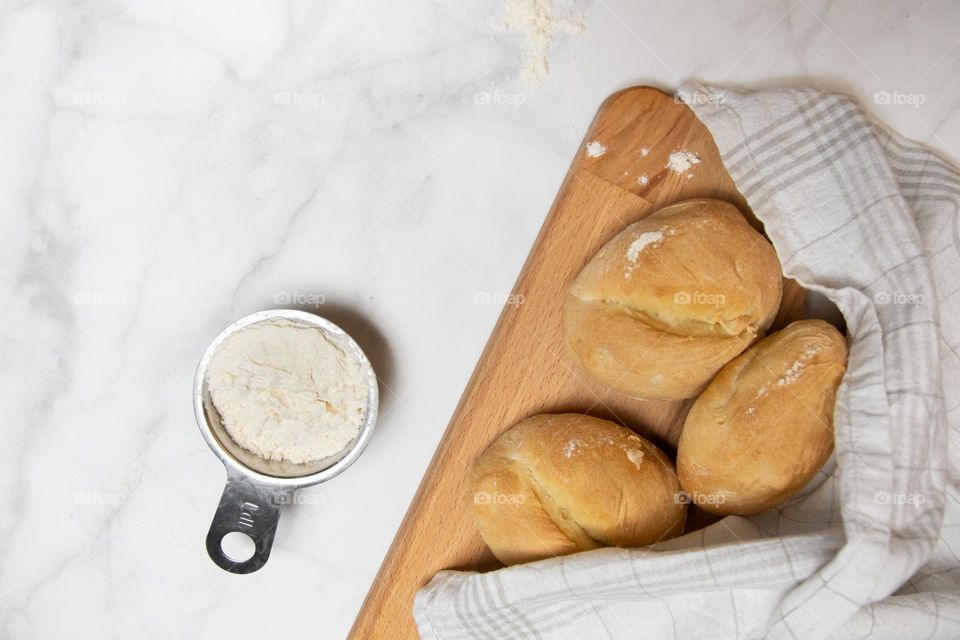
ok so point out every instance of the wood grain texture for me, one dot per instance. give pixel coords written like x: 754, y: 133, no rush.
x: 523, y: 370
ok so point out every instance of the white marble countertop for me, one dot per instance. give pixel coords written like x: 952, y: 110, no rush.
x: 171, y: 166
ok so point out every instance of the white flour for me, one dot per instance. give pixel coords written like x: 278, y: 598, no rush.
x: 635, y: 456
x: 643, y: 180
x: 798, y: 365
x: 634, y: 451
x: 595, y: 149
x: 285, y: 391
x: 541, y: 25
x: 682, y: 161
x: 792, y: 374
x: 643, y: 241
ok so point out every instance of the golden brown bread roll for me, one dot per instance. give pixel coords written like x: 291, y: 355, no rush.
x: 555, y: 484
x: 764, y: 426
x: 671, y: 299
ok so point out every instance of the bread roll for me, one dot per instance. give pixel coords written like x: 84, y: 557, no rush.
x: 671, y: 299
x: 556, y: 484
x: 764, y: 426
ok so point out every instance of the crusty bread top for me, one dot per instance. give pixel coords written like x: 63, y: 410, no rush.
x: 764, y: 425
x: 557, y: 483
x: 693, y: 269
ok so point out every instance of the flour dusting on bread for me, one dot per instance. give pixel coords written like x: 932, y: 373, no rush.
x: 570, y: 448
x: 798, y: 366
x: 792, y: 374
x: 647, y: 239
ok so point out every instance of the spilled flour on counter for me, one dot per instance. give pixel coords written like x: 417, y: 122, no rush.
x: 682, y: 161
x: 541, y: 25
x: 285, y: 391
x: 643, y: 180
x: 595, y: 149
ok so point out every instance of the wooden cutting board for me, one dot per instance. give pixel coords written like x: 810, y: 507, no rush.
x: 523, y: 370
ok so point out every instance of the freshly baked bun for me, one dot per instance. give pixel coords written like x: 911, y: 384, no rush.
x: 556, y: 484
x: 764, y: 426
x: 671, y: 299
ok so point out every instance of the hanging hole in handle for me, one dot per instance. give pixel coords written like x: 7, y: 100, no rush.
x: 238, y: 546
x: 249, y: 510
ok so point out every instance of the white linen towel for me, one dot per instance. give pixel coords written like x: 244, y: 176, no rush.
x: 872, y: 221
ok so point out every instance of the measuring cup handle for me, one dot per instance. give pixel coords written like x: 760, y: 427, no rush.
x: 249, y: 508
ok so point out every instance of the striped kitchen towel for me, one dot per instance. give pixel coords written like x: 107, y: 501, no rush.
x: 871, y: 221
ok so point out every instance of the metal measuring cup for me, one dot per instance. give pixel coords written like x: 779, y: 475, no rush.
x: 257, y: 488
